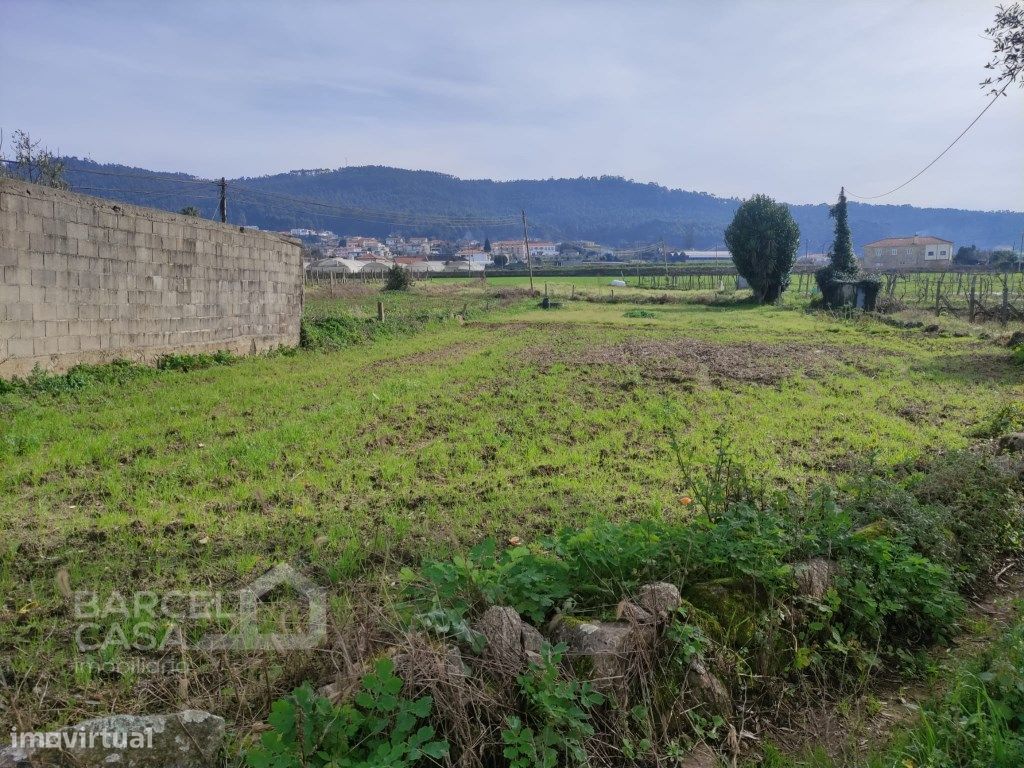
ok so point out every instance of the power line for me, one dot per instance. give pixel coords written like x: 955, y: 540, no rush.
x: 147, y: 193
x: 940, y: 155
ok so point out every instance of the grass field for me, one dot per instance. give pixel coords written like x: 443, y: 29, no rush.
x: 505, y: 420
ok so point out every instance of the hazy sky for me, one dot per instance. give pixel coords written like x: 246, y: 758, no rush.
x: 783, y: 97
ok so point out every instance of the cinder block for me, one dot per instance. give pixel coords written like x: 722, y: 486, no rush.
x: 68, y: 344
x: 43, y: 311
x: 19, y: 348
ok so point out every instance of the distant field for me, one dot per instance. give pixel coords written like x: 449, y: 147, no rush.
x: 516, y: 422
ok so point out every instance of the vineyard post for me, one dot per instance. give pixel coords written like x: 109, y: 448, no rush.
x: 1006, y: 297
x: 970, y: 301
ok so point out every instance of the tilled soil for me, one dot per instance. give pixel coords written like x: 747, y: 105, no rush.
x: 693, y: 359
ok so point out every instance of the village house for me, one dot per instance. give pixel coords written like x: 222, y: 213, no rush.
x: 900, y: 252
x: 543, y: 250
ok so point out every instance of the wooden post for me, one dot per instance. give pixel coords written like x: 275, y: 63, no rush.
x: 380, y: 311
x: 938, y: 294
x: 1006, y: 298
x: 223, y: 206
x: 526, y: 244
x: 970, y: 300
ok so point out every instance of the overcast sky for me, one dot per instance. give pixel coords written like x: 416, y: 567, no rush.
x: 789, y: 98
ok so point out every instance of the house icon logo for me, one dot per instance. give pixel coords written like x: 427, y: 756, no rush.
x: 247, y: 634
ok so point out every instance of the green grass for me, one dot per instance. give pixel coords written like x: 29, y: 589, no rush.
x: 976, y: 722
x: 428, y: 438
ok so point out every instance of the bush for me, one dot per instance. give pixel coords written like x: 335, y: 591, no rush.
x: 1009, y: 418
x: 984, y: 508
x: 379, y: 728
x: 763, y: 239
x: 333, y: 332
x: 397, y: 279
x: 77, y: 378
x: 185, y: 362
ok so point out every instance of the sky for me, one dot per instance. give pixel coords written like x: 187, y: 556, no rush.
x: 785, y: 97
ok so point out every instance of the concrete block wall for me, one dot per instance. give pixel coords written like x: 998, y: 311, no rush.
x: 91, y: 280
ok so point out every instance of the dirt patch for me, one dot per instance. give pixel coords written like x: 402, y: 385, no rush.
x: 693, y: 359
x: 427, y: 357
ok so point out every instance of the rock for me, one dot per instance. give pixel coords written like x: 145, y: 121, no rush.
x: 734, y: 606
x: 511, y: 642
x: 188, y: 739
x: 660, y: 598
x: 1012, y: 443
x: 872, y: 531
x: 814, y: 577
x: 702, y: 756
x: 709, y: 690
x: 610, y: 647
x: 629, y: 611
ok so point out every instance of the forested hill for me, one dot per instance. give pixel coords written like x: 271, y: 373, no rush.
x: 607, y: 209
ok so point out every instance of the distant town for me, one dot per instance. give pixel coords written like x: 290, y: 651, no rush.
x: 326, y: 252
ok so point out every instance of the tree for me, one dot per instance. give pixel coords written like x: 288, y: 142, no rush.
x: 967, y: 254
x: 1007, y: 33
x: 189, y: 210
x: 763, y: 239
x: 501, y: 260
x: 487, y: 245
x: 397, y: 279
x: 844, y: 263
x: 1002, y: 259
x: 32, y: 163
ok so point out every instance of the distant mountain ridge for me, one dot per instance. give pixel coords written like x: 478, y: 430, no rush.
x: 607, y: 209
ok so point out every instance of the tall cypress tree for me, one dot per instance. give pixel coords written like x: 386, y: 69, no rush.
x: 844, y: 264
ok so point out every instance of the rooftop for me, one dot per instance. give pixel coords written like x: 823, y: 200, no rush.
x: 915, y: 240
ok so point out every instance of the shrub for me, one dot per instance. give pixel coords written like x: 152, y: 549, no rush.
x: 985, y: 511
x: 186, y: 362
x: 558, y: 708
x: 379, y: 728
x: 397, y: 279
x: 332, y: 332
x: 763, y: 239
x: 80, y: 376
x: 1008, y: 418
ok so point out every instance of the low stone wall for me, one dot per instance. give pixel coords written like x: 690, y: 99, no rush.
x: 90, y: 280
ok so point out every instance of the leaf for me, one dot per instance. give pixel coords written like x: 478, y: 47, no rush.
x: 421, y: 707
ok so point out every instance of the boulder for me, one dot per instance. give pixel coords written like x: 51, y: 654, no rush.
x: 660, y: 599
x: 814, y: 577
x: 188, y: 739
x: 1012, y: 443
x: 709, y: 690
x: 629, y: 611
x: 734, y: 606
x: 511, y: 642
x: 609, y: 647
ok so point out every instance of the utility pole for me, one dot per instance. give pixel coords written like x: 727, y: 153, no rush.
x: 526, y: 244
x: 223, y: 200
